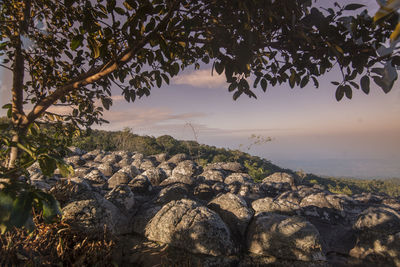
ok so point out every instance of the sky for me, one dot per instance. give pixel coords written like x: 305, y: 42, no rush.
x: 310, y: 130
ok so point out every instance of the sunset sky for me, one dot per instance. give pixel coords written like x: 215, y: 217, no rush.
x: 310, y: 129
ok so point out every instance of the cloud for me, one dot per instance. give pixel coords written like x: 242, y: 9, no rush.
x: 201, y: 78
x: 141, y: 117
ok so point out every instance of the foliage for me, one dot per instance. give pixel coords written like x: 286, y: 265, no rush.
x: 351, y: 186
x: 55, y: 244
x: 18, y: 199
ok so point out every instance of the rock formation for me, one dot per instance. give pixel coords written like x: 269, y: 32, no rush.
x: 217, y: 215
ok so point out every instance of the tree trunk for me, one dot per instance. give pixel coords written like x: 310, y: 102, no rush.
x: 13, y: 152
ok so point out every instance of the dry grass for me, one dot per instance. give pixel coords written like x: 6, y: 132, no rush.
x: 56, y: 244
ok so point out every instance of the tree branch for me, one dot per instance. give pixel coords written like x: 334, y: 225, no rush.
x: 99, y: 72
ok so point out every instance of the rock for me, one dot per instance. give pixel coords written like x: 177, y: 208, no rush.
x: 186, y: 168
x: 178, y: 179
x: 213, y: 175
x: 285, y: 237
x: 187, y: 225
x: 75, y: 161
x: 122, y: 197
x: 147, y: 164
x: 82, y: 171
x: 269, y: 204
x: 178, y: 158
x: 171, y: 192
x: 204, y: 191
x: 111, y: 158
x: 125, y: 162
x: 138, y: 157
x: 278, y: 182
x: 76, y: 151
x: 107, y: 169
x: 167, y: 167
x: 99, y: 157
x: 95, y: 177
x: 378, y: 236
x: 226, y: 166
x: 94, y: 215
x: 160, y: 157
x: 155, y: 175
x: 378, y: 219
x: 234, y: 212
x: 238, y: 178
x: 130, y: 170
x: 119, y: 178
x: 323, y: 206
x: 140, y: 185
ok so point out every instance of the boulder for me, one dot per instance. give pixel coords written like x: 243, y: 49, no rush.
x: 94, y: 215
x: 285, y: 237
x: 111, y: 158
x: 188, y: 225
x: 171, y: 192
x: 122, y: 197
x: 226, y: 166
x: 178, y: 158
x: 95, y: 177
x: 278, y: 182
x: 234, y: 212
x: 140, y: 185
x: 186, y: 168
x: 204, y: 191
x: 213, y: 175
x: 107, y: 169
x: 125, y: 162
x: 178, y: 179
x: 378, y: 236
x: 167, y: 167
x: 75, y: 161
x: 119, y: 178
x: 147, y: 164
x: 238, y: 178
x: 155, y: 175
x: 269, y: 204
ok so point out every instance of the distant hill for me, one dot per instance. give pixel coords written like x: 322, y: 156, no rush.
x: 257, y: 167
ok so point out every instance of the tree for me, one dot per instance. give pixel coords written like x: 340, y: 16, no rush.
x: 72, y: 52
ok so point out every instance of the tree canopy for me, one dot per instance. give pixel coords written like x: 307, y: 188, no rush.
x: 73, y: 52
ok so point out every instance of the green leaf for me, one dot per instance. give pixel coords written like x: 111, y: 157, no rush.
x: 264, y: 84
x: 94, y: 47
x: 50, y: 206
x: 65, y: 169
x: 158, y: 80
x: 76, y: 42
x: 219, y: 67
x: 236, y: 95
x: 150, y: 26
x: 353, y: 6
x: 348, y: 91
x: 21, y: 209
x: 365, y: 84
x: 292, y: 79
x: 304, y: 81
x: 232, y: 86
x: 47, y: 165
x: 339, y: 93
x: 165, y: 77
